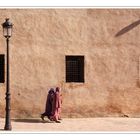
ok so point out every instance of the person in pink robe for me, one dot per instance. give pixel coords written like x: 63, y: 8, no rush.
x: 60, y: 105
x: 56, y: 107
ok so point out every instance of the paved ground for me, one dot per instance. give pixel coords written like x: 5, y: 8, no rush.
x: 74, y: 125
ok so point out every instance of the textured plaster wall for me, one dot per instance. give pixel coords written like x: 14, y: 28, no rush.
x: 109, y: 40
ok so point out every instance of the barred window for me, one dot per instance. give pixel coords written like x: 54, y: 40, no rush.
x: 74, y: 68
x: 2, y: 68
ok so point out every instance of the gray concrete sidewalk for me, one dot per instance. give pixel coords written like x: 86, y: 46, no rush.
x: 74, y: 125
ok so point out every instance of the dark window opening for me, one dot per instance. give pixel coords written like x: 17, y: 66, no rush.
x: 74, y: 68
x: 1, y: 68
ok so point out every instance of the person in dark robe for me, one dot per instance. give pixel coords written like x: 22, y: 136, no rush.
x: 56, y: 106
x: 49, y: 103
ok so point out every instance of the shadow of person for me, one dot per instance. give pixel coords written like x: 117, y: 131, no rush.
x: 31, y: 121
x: 128, y: 28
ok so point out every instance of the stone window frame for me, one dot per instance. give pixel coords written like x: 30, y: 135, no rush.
x: 2, y: 68
x: 74, y: 68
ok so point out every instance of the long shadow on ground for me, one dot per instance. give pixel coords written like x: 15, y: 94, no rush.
x: 31, y: 121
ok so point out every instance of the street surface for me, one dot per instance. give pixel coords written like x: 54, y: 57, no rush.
x: 74, y: 125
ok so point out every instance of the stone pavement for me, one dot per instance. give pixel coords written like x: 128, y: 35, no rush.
x: 74, y: 125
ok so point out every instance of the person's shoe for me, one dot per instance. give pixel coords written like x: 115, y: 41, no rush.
x: 42, y: 117
x: 50, y: 118
x: 60, y: 119
x: 57, y: 121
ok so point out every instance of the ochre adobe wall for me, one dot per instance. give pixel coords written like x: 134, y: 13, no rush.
x: 109, y: 41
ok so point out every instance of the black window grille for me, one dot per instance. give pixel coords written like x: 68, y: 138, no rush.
x: 74, y: 68
x: 2, y: 60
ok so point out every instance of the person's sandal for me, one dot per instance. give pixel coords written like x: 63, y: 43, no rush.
x: 42, y: 117
x: 57, y: 121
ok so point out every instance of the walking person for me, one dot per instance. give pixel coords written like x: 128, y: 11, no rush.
x: 56, y: 106
x: 49, y: 104
x: 60, y: 103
